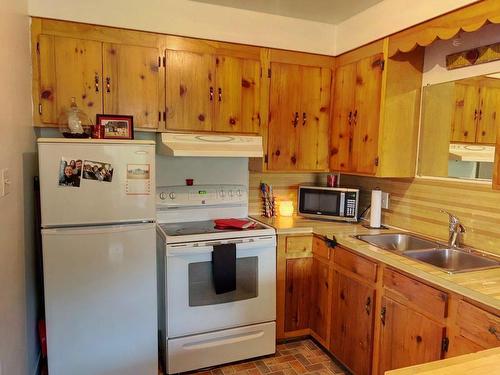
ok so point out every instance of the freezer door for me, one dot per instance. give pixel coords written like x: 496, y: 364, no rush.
x: 129, y: 196
x: 101, y: 300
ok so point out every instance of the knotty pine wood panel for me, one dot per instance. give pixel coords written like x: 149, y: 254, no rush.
x: 285, y: 187
x: 415, y: 205
x: 132, y: 73
x: 190, y: 90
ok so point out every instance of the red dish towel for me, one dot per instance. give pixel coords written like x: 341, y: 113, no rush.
x: 234, y: 224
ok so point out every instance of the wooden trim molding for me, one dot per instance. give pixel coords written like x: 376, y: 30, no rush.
x: 470, y: 18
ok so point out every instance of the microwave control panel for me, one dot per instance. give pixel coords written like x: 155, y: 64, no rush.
x: 351, y: 199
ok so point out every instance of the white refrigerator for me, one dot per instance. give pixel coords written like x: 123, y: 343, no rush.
x: 99, y: 256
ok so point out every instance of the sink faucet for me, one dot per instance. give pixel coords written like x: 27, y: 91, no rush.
x: 456, y: 230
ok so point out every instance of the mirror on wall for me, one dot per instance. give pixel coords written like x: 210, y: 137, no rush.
x: 459, y: 122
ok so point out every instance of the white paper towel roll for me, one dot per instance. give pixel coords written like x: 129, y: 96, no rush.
x: 376, y: 209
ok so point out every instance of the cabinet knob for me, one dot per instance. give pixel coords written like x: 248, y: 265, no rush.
x: 368, y: 305
x: 220, y: 94
x: 108, y: 84
x: 295, y: 119
x: 304, y: 118
x: 211, y: 93
x: 494, y: 332
x: 382, y: 315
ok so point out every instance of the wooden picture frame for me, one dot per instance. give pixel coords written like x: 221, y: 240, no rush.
x: 115, y: 126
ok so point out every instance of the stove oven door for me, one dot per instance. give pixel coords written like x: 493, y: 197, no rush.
x: 192, y: 304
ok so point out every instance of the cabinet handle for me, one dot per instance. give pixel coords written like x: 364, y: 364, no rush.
x: 96, y: 81
x: 355, y: 117
x: 220, y: 94
x: 296, y: 119
x: 108, y: 84
x: 382, y: 315
x: 494, y: 332
x: 304, y: 118
x: 211, y: 93
x: 368, y: 305
x: 349, y: 118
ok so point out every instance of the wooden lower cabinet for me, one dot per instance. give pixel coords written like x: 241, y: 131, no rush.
x: 321, y: 299
x: 298, y: 293
x: 407, y: 337
x: 352, y: 323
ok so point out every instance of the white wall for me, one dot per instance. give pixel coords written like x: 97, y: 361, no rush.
x: 188, y: 18
x: 18, y: 350
x: 388, y: 17
x: 435, y: 56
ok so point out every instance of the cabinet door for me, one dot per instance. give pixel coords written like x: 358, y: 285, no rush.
x: 352, y: 323
x: 465, y: 114
x: 366, y: 116
x: 131, y: 83
x: 320, y: 284
x: 237, y: 95
x: 190, y: 90
x: 407, y: 337
x: 284, y: 116
x: 298, y: 293
x: 69, y: 68
x: 343, y: 108
x: 488, y: 120
x: 313, y: 134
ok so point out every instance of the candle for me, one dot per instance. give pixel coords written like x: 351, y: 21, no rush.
x: 286, y: 208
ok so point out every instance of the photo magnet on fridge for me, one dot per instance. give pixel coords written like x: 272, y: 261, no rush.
x: 70, y: 172
x: 138, y: 179
x: 97, y: 171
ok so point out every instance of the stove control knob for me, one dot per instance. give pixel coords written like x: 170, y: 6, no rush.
x: 230, y: 192
x: 222, y: 193
x: 163, y: 196
x: 171, y: 195
x: 238, y: 193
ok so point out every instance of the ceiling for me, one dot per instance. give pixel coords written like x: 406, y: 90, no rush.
x: 326, y: 11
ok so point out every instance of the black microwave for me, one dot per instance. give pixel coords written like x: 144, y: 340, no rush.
x: 332, y: 203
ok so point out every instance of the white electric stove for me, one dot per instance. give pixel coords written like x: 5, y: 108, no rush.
x: 200, y: 328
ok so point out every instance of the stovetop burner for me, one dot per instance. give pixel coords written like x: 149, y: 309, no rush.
x: 200, y: 227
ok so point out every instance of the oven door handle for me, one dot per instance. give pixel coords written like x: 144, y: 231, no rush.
x: 208, y: 247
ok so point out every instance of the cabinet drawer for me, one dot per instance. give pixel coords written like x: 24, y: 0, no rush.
x: 320, y: 248
x: 356, y: 264
x: 427, y: 298
x: 299, y: 244
x: 478, y: 325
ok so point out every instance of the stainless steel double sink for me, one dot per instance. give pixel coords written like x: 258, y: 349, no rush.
x: 448, y: 259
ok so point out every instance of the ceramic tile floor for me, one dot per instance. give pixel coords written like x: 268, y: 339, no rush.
x: 302, y: 357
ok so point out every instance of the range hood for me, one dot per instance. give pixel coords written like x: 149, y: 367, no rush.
x: 211, y: 145
x: 470, y: 152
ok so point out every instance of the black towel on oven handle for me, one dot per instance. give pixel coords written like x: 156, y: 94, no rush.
x: 224, y: 267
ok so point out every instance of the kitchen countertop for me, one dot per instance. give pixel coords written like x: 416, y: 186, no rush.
x: 481, y: 286
x: 479, y: 363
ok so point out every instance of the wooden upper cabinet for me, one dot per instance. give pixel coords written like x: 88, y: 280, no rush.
x: 407, y: 337
x: 367, y: 114
x: 212, y: 93
x: 474, y: 116
x: 343, y: 105
x: 489, y: 115
x: 352, y: 323
x: 466, y: 113
x: 299, y: 117
x: 131, y: 83
x: 237, y: 95
x: 190, y: 90
x: 69, y: 68
x: 355, y: 125
x: 284, y: 108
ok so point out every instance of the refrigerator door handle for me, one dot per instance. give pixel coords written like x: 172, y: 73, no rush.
x: 90, y: 230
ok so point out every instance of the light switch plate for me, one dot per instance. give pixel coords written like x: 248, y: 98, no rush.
x: 4, y: 182
x: 385, y: 200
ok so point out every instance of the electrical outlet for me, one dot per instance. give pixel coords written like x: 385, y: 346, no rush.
x: 4, y: 183
x: 385, y: 200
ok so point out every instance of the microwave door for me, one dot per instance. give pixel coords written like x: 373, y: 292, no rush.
x: 322, y: 202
